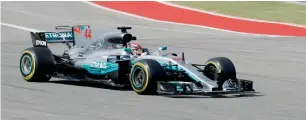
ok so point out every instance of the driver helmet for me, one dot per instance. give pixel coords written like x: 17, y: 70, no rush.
x: 136, y: 48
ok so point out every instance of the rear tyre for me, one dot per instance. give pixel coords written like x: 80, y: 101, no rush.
x: 37, y: 64
x: 144, y: 75
x: 220, y: 69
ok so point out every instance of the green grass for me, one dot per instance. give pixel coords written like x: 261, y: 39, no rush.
x: 264, y: 10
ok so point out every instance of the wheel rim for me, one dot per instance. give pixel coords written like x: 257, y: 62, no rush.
x: 212, y: 72
x: 138, y: 77
x: 26, y: 64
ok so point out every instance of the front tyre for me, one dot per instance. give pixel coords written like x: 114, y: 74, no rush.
x: 220, y: 69
x: 36, y: 64
x: 144, y: 75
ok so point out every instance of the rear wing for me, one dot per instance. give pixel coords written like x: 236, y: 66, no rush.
x: 77, y: 35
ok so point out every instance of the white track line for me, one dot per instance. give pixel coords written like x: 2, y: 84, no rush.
x: 141, y: 17
x: 20, y: 27
x: 228, y: 16
x: 296, y: 2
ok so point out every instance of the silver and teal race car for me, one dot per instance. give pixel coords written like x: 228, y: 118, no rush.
x: 108, y: 59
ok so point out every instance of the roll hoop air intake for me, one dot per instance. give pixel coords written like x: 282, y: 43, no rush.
x: 127, y: 37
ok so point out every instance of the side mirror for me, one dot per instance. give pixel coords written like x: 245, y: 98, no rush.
x: 162, y: 48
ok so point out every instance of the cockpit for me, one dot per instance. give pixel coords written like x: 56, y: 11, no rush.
x: 108, y: 42
x: 113, y: 42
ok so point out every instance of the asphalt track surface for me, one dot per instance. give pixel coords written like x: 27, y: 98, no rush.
x: 277, y: 65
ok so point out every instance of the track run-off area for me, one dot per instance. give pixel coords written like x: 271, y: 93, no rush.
x: 275, y: 64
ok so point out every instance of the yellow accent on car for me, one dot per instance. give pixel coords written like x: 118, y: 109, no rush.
x: 146, y: 81
x: 215, y: 64
x: 28, y: 77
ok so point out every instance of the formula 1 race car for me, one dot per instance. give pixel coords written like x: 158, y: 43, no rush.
x: 108, y: 59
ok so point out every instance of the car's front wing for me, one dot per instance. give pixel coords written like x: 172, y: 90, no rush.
x: 189, y: 88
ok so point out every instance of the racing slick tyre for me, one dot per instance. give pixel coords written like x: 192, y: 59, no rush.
x: 144, y: 75
x: 36, y: 63
x: 220, y: 69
